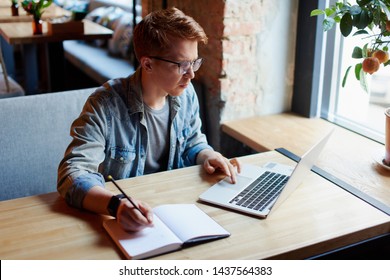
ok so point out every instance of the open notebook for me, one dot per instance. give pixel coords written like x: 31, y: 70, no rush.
x: 260, y: 189
x: 175, y: 225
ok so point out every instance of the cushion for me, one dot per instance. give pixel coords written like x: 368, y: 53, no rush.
x: 121, y: 42
x: 111, y: 19
x: 106, y: 16
x: 77, y: 5
x: 124, y: 4
x: 73, y: 5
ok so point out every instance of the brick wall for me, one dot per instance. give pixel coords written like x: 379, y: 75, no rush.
x: 249, y: 60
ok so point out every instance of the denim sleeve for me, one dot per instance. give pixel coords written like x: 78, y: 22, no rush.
x: 196, y: 140
x: 81, y: 185
x: 79, y: 169
x: 192, y: 153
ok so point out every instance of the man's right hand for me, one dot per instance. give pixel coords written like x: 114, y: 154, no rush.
x: 131, y: 219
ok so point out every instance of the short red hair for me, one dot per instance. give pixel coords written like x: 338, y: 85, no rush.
x: 151, y: 35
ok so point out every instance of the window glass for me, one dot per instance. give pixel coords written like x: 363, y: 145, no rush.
x: 351, y: 106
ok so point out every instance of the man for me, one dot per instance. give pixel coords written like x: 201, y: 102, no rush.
x: 145, y: 123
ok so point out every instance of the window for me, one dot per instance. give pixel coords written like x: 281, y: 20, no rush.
x: 350, y: 106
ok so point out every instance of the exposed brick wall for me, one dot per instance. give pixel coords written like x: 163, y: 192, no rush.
x: 239, y: 85
x: 249, y: 60
x: 210, y: 15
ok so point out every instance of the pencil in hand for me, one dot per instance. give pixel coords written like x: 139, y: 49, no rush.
x: 127, y: 197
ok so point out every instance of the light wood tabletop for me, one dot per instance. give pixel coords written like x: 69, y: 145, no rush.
x: 22, y: 33
x: 316, y: 218
x: 348, y: 156
x: 43, y: 55
x: 53, y: 11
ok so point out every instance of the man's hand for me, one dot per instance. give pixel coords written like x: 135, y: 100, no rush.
x: 131, y: 219
x: 128, y: 217
x: 213, y: 161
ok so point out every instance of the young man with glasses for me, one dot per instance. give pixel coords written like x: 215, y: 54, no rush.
x: 145, y: 123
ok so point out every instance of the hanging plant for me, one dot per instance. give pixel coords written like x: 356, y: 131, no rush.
x: 369, y: 19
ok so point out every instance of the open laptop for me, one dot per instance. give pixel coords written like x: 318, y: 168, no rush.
x: 260, y: 189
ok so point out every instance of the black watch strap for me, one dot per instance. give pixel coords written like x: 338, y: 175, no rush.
x: 113, y: 205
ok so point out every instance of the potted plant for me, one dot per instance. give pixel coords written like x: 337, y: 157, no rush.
x: 369, y: 19
x: 14, y: 7
x: 36, y: 8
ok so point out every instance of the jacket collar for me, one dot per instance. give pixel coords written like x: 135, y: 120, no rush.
x: 134, y: 100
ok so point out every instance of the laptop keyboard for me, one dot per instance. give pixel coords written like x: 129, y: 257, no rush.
x: 261, y: 192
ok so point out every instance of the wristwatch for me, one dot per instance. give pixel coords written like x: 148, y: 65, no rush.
x: 113, y: 205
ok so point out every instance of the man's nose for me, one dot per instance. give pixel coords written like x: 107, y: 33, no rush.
x: 190, y: 73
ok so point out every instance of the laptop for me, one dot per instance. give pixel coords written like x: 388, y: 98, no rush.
x: 260, y: 189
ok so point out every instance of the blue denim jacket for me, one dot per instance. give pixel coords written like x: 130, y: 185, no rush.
x: 110, y: 137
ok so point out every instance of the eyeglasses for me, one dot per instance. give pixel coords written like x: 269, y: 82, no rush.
x: 184, y: 66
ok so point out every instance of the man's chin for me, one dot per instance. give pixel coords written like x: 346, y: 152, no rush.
x: 177, y: 92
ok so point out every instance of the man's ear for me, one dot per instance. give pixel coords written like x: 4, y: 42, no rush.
x: 146, y: 63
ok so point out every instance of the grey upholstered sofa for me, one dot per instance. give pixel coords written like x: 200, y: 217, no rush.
x: 34, y: 133
x: 105, y: 60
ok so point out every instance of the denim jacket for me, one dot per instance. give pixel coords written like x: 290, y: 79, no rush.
x: 110, y: 137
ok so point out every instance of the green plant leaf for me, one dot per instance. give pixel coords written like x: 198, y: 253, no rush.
x: 317, y: 12
x: 329, y: 11
x: 341, y: 6
x: 357, y: 53
x: 345, y: 76
x: 355, y: 10
x: 346, y: 24
x: 328, y: 23
x: 365, y: 50
x: 385, y: 9
x: 362, y: 3
x: 358, y: 69
x: 360, y: 32
x: 362, y: 20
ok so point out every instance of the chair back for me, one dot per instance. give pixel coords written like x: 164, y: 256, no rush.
x: 34, y: 134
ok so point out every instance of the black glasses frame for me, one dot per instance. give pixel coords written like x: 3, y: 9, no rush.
x: 181, y: 64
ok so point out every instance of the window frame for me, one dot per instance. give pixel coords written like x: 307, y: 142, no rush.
x: 318, y: 73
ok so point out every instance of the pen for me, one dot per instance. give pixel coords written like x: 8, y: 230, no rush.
x: 128, y: 198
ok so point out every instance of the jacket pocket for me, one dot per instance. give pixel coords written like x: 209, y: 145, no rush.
x: 119, y: 162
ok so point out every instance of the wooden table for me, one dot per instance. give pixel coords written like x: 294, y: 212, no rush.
x: 53, y: 11
x: 21, y: 33
x: 348, y: 156
x: 316, y: 218
x: 51, y: 58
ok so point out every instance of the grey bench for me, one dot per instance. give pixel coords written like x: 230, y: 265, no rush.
x: 95, y: 61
